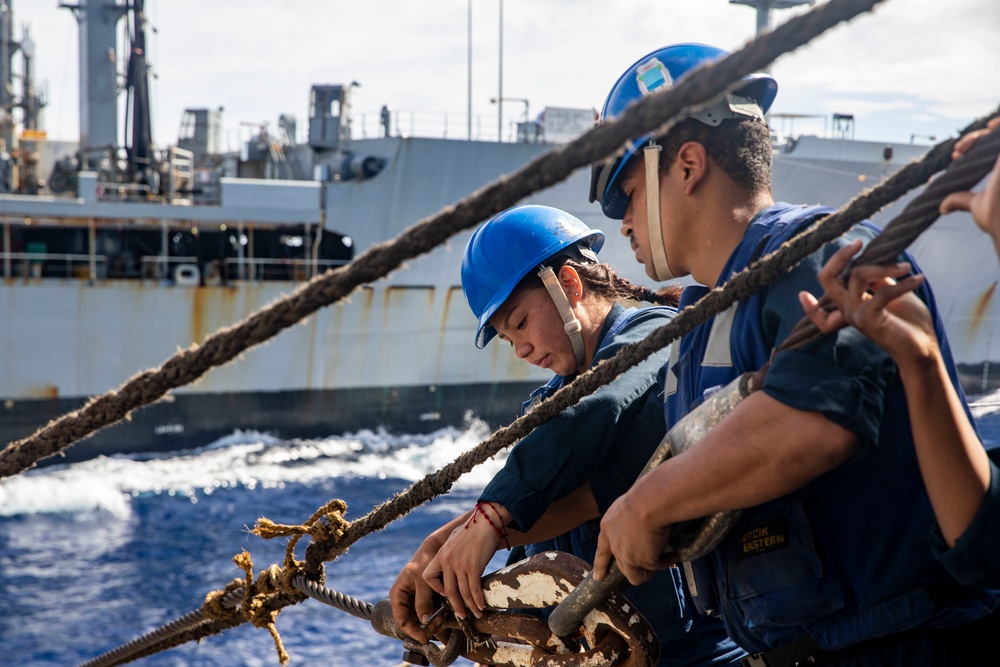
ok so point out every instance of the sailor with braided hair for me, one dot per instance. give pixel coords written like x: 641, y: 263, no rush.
x: 532, y: 278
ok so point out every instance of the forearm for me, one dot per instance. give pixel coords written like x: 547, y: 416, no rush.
x: 761, y: 451
x: 561, y: 516
x: 433, y: 542
x: 603, y: 432
x: 538, y: 480
x: 952, y: 460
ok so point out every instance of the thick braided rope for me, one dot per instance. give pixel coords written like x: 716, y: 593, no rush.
x: 378, y: 261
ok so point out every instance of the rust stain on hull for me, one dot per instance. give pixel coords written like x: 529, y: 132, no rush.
x: 979, y: 311
x: 41, y: 391
x: 198, y: 332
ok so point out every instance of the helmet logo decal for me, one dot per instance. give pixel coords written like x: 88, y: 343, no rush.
x: 651, y: 75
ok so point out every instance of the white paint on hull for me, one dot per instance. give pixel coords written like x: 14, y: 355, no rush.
x: 67, y: 338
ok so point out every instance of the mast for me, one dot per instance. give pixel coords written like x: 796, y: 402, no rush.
x: 6, y: 76
x: 99, y: 138
x: 765, y: 9
x: 29, y: 102
x: 139, y: 147
x: 98, y: 21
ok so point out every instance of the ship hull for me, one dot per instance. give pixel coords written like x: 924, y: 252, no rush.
x: 392, y: 357
x: 191, y: 420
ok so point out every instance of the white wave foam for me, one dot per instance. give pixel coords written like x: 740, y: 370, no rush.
x: 242, y: 459
x: 65, y: 490
x: 985, y: 404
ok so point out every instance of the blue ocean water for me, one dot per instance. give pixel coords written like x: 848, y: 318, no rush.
x: 96, y: 554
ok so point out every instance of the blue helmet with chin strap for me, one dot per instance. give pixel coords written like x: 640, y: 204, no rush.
x: 656, y: 70
x: 512, y: 244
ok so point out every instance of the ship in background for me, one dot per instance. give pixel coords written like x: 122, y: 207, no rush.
x: 114, y: 254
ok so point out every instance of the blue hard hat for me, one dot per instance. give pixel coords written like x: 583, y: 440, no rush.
x: 510, y: 245
x: 653, y: 71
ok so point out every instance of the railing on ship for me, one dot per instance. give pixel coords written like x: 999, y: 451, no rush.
x: 175, y: 270
x: 186, y: 271
x: 259, y: 269
x: 444, y: 125
x: 53, y: 265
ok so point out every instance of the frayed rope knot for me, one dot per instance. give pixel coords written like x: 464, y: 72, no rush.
x: 325, y: 523
x: 254, y: 608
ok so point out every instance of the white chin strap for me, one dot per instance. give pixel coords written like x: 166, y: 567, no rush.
x: 571, y: 325
x: 661, y: 269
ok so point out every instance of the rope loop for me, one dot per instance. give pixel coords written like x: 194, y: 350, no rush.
x: 327, y: 525
x: 215, y: 609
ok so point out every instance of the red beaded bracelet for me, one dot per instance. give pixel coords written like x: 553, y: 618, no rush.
x: 479, y: 510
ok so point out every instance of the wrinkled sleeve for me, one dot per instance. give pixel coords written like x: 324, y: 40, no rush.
x: 975, y: 558
x: 642, y: 435
x: 587, y: 441
x: 843, y: 375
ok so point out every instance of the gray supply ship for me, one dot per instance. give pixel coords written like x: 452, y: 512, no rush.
x: 114, y: 255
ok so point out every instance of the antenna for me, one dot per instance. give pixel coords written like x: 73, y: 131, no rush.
x: 765, y: 7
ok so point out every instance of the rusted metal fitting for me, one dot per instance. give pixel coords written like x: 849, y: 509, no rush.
x: 614, y: 634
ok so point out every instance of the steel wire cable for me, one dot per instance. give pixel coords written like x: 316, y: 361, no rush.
x: 342, y: 601
x: 353, y: 606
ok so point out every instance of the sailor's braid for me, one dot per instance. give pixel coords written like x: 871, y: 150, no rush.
x: 602, y: 280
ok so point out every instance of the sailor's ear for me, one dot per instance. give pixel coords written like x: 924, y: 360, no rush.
x: 571, y: 284
x: 692, y: 164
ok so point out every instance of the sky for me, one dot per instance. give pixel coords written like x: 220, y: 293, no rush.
x: 911, y: 70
